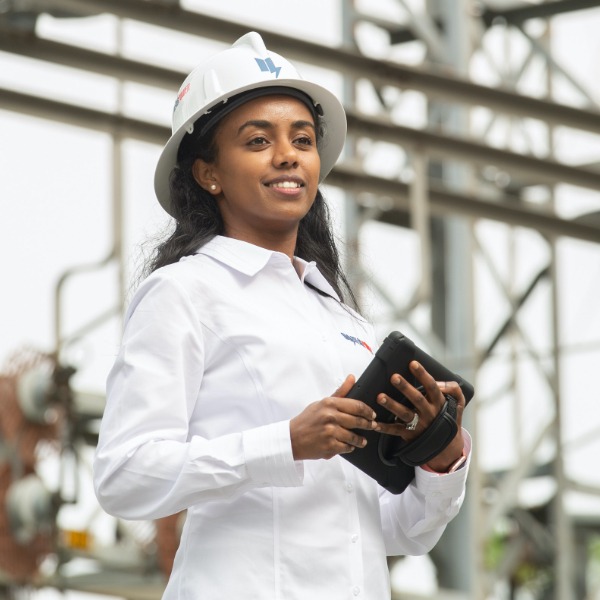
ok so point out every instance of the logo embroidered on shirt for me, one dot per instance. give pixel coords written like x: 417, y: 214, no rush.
x: 357, y: 341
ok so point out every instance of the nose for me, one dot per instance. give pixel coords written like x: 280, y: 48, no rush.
x: 285, y: 154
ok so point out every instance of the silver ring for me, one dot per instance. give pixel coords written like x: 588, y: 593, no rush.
x: 413, y: 424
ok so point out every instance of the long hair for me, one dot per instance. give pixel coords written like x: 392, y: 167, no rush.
x: 198, y: 219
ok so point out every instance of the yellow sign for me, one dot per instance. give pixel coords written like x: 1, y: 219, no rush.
x: 77, y: 540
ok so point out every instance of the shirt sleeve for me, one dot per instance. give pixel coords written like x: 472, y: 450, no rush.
x: 414, y: 520
x: 146, y: 465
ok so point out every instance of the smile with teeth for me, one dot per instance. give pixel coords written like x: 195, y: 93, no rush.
x: 285, y: 184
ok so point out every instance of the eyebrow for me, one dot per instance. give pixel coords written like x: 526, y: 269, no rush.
x: 269, y: 125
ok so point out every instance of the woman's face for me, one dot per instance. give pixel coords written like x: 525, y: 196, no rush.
x: 267, y: 167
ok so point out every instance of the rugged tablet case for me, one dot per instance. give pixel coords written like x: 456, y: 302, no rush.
x: 394, y: 355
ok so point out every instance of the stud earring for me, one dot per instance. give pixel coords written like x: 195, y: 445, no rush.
x: 213, y: 187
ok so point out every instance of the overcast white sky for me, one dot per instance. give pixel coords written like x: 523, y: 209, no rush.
x: 55, y: 188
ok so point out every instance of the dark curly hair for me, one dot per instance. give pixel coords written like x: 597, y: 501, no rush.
x: 198, y: 218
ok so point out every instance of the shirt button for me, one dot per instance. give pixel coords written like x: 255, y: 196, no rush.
x: 324, y: 337
x: 356, y: 591
x: 354, y: 538
x: 436, y: 494
x: 349, y: 487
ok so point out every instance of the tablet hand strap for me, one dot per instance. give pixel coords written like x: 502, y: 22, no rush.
x: 437, y: 437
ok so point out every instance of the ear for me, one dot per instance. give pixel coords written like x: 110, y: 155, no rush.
x: 203, y: 174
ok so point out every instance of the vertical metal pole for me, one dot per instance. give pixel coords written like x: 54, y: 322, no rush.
x: 564, y: 586
x: 461, y: 570
x: 563, y: 561
x: 116, y: 251
x: 513, y: 335
x: 117, y: 216
x: 513, y: 338
x: 351, y: 208
x: 420, y: 221
x: 117, y: 187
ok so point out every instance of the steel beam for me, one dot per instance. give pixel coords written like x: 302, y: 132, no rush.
x: 89, y: 60
x: 113, y: 582
x: 69, y: 114
x: 349, y: 63
x: 504, y: 328
x: 359, y: 125
x: 458, y: 148
x: 544, y: 10
x: 516, y: 15
x: 442, y: 201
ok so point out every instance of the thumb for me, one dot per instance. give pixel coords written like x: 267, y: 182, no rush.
x: 345, y: 387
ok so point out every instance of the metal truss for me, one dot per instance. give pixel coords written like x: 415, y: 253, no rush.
x: 543, y: 539
x: 448, y: 193
x: 348, y: 62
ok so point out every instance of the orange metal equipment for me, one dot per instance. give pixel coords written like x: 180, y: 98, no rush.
x: 20, y: 438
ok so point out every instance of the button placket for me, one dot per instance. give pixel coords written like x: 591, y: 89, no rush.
x: 354, y: 539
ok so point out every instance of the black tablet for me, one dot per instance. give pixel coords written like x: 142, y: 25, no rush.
x: 386, y: 458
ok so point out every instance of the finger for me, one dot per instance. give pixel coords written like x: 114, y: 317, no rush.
x: 410, y: 392
x: 395, y: 429
x: 346, y: 449
x: 402, y: 412
x: 343, y: 390
x: 351, y: 422
x: 355, y: 407
x: 453, y: 389
x: 351, y: 438
x: 432, y: 391
x: 339, y: 448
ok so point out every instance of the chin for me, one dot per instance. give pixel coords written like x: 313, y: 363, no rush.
x: 283, y: 222
x: 289, y: 210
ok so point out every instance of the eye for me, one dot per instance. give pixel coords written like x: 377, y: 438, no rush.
x: 305, y: 141
x: 258, y: 141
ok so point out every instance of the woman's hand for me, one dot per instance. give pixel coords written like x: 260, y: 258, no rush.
x: 427, y: 407
x: 322, y: 429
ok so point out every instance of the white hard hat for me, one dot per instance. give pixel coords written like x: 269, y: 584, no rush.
x: 247, y: 65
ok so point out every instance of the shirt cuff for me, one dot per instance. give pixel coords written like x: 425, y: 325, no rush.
x: 269, y: 457
x: 430, y: 470
x: 445, y: 484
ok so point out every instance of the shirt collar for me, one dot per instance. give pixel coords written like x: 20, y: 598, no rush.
x: 242, y: 256
x: 250, y: 259
x: 309, y: 272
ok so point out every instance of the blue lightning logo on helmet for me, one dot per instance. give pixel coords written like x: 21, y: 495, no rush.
x: 267, y: 65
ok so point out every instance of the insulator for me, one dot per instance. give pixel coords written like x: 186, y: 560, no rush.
x: 31, y: 508
x: 34, y: 394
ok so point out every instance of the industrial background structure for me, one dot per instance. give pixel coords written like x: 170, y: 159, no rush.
x: 475, y: 184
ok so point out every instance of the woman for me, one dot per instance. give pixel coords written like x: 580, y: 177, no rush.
x: 220, y: 398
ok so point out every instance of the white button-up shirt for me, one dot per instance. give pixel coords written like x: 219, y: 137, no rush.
x: 220, y: 351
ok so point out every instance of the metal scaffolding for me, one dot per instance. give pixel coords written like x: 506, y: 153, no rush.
x: 457, y: 178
